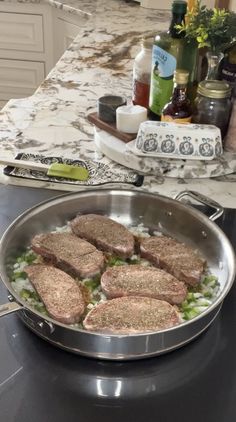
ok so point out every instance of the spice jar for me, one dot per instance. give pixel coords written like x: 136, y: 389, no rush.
x: 212, y: 104
x: 142, y: 73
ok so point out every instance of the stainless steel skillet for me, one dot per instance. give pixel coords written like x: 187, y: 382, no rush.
x: 131, y: 208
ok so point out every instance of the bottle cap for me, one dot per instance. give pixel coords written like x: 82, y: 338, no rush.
x: 181, y: 76
x: 214, y: 89
x: 147, y: 42
x: 179, y: 6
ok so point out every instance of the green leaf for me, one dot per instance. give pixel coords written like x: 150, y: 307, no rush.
x: 213, y: 28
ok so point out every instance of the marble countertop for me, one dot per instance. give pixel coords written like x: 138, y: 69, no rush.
x: 53, y: 121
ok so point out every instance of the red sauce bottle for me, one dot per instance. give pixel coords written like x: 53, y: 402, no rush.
x: 142, y: 73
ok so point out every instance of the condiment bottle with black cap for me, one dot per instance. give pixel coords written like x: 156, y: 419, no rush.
x: 179, y: 109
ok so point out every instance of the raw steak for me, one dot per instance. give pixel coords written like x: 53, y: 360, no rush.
x: 139, y: 280
x: 176, y: 258
x: 133, y: 314
x: 58, y: 291
x: 69, y: 253
x: 104, y: 233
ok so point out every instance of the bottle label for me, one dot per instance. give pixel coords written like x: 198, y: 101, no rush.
x: 163, y: 67
x: 167, y: 118
x: 229, y: 72
x: 140, y: 93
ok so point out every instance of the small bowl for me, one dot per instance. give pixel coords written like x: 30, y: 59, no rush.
x: 107, y: 106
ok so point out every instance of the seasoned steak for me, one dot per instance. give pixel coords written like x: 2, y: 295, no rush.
x: 139, y: 280
x: 69, y: 253
x: 174, y: 257
x: 133, y: 314
x: 58, y: 291
x: 104, y: 233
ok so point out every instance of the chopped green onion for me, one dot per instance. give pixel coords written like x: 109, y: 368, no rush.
x: 29, y: 257
x: 208, y: 295
x: 210, y: 279
x: 191, y: 314
x: 29, y: 294
x: 91, y: 284
x: 41, y: 308
x: 25, y: 294
x: 115, y: 261
x: 18, y: 274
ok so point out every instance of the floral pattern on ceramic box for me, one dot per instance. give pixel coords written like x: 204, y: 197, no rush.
x: 190, y: 141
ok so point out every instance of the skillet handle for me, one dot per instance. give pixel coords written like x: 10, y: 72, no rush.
x: 203, y: 200
x: 10, y: 307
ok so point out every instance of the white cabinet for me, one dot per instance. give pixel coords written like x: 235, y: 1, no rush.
x: 66, y: 27
x: 33, y: 37
x: 19, y: 31
x: 26, y: 48
x: 19, y: 78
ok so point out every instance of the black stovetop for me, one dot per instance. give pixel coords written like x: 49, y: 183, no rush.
x: 39, y: 383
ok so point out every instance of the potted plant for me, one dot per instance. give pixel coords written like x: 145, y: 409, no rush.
x: 213, y: 29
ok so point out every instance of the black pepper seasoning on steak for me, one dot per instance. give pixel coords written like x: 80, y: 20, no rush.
x: 133, y: 314
x: 140, y: 280
x: 69, y: 253
x: 176, y: 258
x: 58, y: 291
x: 104, y: 233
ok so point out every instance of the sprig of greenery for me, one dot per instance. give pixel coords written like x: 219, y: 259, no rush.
x: 212, y: 28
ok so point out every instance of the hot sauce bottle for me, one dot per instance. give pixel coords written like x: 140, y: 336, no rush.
x: 142, y: 73
x: 178, y: 110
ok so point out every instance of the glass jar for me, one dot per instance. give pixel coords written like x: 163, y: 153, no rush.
x: 142, y: 73
x: 213, y: 104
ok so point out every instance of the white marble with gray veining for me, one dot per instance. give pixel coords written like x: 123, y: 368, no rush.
x: 99, y: 61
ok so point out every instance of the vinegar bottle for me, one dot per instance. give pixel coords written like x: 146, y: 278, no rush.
x: 142, y: 73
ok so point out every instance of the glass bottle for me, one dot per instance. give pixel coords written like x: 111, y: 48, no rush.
x: 142, y: 73
x: 213, y: 63
x: 230, y: 138
x: 189, y: 61
x: 227, y: 68
x: 166, y: 53
x: 213, y: 104
x: 178, y: 110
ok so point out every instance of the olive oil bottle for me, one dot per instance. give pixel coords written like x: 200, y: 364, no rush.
x: 170, y: 50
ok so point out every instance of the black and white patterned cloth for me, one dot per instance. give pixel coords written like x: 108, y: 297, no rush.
x: 99, y: 173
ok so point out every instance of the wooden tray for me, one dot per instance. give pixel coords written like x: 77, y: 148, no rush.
x: 111, y: 128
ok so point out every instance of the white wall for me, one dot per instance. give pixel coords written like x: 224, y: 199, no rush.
x: 232, y: 5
